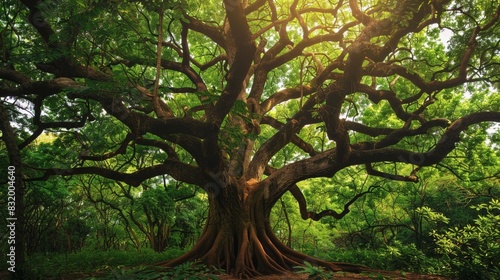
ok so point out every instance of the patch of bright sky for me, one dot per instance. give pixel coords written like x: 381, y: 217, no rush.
x: 445, y: 36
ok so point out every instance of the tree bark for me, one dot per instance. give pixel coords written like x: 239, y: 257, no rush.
x: 238, y: 237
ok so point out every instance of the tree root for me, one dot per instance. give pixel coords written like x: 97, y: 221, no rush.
x: 251, y: 252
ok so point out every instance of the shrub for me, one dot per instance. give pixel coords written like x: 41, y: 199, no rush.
x: 396, y: 257
x: 473, y: 252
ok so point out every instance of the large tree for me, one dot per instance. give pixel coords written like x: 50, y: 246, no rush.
x: 219, y: 89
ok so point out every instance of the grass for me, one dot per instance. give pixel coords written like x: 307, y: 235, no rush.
x: 91, y: 261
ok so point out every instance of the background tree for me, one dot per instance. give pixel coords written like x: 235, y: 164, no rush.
x: 217, y: 95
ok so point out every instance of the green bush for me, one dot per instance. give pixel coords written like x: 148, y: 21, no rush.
x: 396, y: 257
x: 473, y: 252
x: 409, y: 258
x: 369, y: 257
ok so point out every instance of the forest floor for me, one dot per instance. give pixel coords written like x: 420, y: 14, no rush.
x: 381, y: 274
x: 385, y: 275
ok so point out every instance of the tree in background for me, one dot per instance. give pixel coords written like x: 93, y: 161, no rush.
x: 217, y: 91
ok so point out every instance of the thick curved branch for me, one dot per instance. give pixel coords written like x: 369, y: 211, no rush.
x: 296, y: 140
x: 186, y: 132
x: 214, y: 33
x: 14, y: 76
x: 210, y: 63
x: 140, y: 123
x: 445, y: 145
x: 254, y: 6
x: 371, y: 131
x: 373, y: 172
x: 37, y: 20
x: 64, y: 66
x: 245, y: 49
x: 168, y: 149
x: 397, y: 135
x: 186, y: 70
x: 41, y: 89
x: 326, y: 165
x: 284, y: 95
x: 178, y: 170
x: 119, y: 151
x: 271, y: 147
x: 299, y: 197
x: 377, y: 95
x: 358, y: 14
x: 299, y: 48
x: 381, y: 69
x: 280, y: 139
x: 69, y: 68
x: 42, y: 126
x: 191, y: 144
x: 300, y: 19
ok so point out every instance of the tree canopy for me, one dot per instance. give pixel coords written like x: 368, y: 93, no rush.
x: 245, y: 99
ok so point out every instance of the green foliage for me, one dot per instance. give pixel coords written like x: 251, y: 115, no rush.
x: 473, y: 251
x: 313, y: 272
x: 88, y: 261
x: 430, y: 215
x: 156, y: 203
x: 396, y: 257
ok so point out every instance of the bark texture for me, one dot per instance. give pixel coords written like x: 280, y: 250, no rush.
x: 238, y: 238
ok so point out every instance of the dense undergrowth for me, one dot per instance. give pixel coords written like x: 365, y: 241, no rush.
x: 90, y: 261
x: 114, y: 264
x: 471, y: 252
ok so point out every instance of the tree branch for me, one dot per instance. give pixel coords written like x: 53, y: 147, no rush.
x: 296, y: 140
x: 373, y: 172
x: 245, y: 49
x: 325, y: 164
x: 15, y: 76
x: 299, y: 197
x: 177, y: 170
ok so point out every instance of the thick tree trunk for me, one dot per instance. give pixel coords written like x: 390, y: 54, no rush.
x: 238, y: 239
